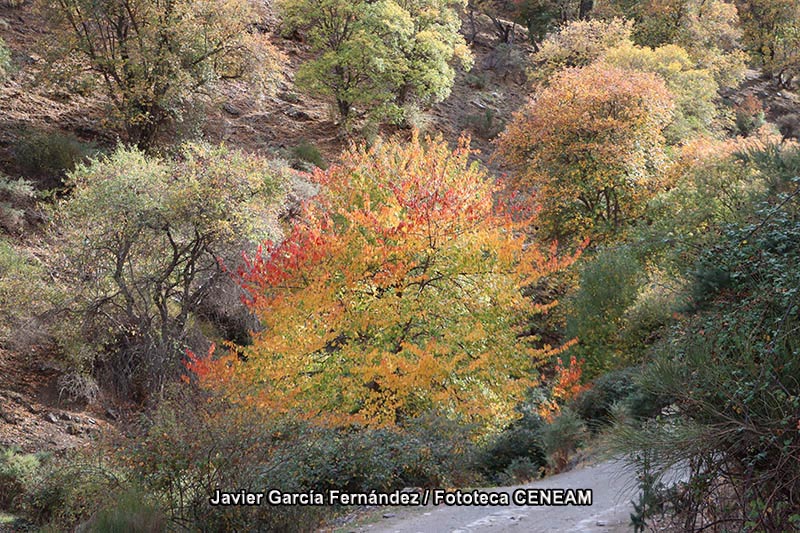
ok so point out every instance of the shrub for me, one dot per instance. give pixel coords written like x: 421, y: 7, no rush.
x: 139, y: 242
x: 516, y: 446
x: 187, y: 454
x: 15, y: 196
x: 26, y: 293
x: 594, y: 405
x: 5, y: 61
x: 129, y: 513
x: 561, y: 438
x: 730, y: 373
x: 50, y: 155
x: 306, y: 153
x: 608, y: 286
x: 485, y: 124
x: 17, y: 471
x: 749, y: 115
x: 179, y: 49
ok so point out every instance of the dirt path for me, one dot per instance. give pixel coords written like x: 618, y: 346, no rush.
x: 613, y: 488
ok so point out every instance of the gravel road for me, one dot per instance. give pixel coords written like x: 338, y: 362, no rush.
x: 613, y: 488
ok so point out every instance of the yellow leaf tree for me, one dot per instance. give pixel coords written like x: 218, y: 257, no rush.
x: 399, y: 292
x: 590, y: 147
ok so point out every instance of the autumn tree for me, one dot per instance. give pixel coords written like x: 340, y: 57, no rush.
x: 138, y: 243
x: 694, y: 89
x: 579, y: 44
x: 707, y: 29
x: 153, y: 57
x: 772, y: 35
x: 378, y: 56
x: 590, y: 146
x: 399, y: 293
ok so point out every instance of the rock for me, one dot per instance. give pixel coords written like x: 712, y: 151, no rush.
x: 600, y: 523
x: 110, y: 413
x: 389, y: 515
x: 9, y: 418
x: 296, y: 114
x: 51, y: 417
x: 232, y: 109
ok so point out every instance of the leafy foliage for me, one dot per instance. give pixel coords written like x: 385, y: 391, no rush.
x: 379, y: 56
x: 707, y: 29
x: 399, y: 292
x: 139, y: 240
x: 591, y: 147
x: 5, y: 61
x: 730, y: 369
x: 152, y: 57
x: 694, y: 89
x: 579, y: 44
x: 772, y: 34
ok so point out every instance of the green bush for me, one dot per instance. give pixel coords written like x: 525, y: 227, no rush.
x: 5, y: 61
x: 15, y: 197
x: 26, y: 294
x: 17, y: 471
x: 187, y: 454
x: 485, y: 124
x: 139, y: 243
x: 306, y: 153
x: 130, y: 513
x: 561, y: 438
x: 608, y: 286
x: 731, y: 375
x: 50, y: 155
x: 519, y: 444
x: 594, y: 405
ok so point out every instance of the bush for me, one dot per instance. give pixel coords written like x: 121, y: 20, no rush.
x: 561, y: 438
x: 187, y: 454
x: 17, y: 471
x: 180, y: 50
x: 518, y: 446
x: 485, y: 124
x: 608, y: 286
x: 139, y: 243
x: 50, y: 156
x: 750, y: 115
x: 5, y: 61
x: 15, y: 197
x: 731, y: 375
x: 306, y: 153
x: 594, y: 405
x: 129, y: 513
x: 26, y: 293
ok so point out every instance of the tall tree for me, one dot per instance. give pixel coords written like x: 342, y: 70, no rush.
x: 590, y: 146
x: 401, y: 292
x: 378, y: 56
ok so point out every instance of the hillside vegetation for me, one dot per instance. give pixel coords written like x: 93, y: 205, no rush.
x: 313, y: 245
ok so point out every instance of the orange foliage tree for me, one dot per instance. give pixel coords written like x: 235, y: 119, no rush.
x: 590, y: 146
x: 398, y: 293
